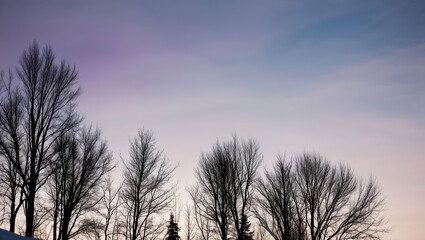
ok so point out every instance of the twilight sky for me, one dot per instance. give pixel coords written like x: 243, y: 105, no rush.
x: 343, y: 78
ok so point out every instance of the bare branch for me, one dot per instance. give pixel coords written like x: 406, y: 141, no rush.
x: 146, y: 191
x: 308, y: 198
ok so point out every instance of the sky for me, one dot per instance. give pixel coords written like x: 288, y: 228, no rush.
x: 341, y: 78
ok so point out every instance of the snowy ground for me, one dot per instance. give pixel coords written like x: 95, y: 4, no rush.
x: 6, y: 235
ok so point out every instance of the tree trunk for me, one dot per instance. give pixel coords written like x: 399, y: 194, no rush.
x: 29, y: 213
x: 32, y: 186
x: 65, y: 225
x: 12, y: 211
x: 223, y: 232
x: 12, y: 221
x: 134, y: 232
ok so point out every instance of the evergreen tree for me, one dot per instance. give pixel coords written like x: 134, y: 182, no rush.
x: 173, y: 229
x: 247, y: 233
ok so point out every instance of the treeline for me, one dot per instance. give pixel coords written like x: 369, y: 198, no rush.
x: 55, y: 175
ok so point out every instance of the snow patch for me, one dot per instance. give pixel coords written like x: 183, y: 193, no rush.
x: 6, y: 235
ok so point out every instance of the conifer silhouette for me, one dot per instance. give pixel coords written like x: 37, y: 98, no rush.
x: 173, y: 229
x: 247, y: 233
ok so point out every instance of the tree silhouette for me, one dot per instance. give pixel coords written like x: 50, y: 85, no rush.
x: 247, y: 233
x: 245, y: 158
x: 81, y: 161
x: 145, y: 189
x: 172, y: 229
x: 225, y: 178
x: 308, y: 198
x: 11, y: 144
x: 42, y: 141
x: 190, y: 223
x: 110, y: 203
x: 46, y: 110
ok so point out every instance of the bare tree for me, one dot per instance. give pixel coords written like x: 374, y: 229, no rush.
x: 110, y: 203
x: 119, y: 219
x: 81, y: 162
x: 278, y: 209
x: 47, y: 101
x: 146, y: 189
x: 190, y: 224
x: 308, y: 198
x: 41, y: 218
x: 210, y: 197
x: 224, y: 192
x: 245, y: 157
x: 11, y: 143
x: 203, y: 222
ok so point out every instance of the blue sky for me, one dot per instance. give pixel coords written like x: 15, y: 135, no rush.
x: 343, y: 78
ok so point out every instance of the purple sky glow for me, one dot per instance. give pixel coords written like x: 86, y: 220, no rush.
x: 343, y: 78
